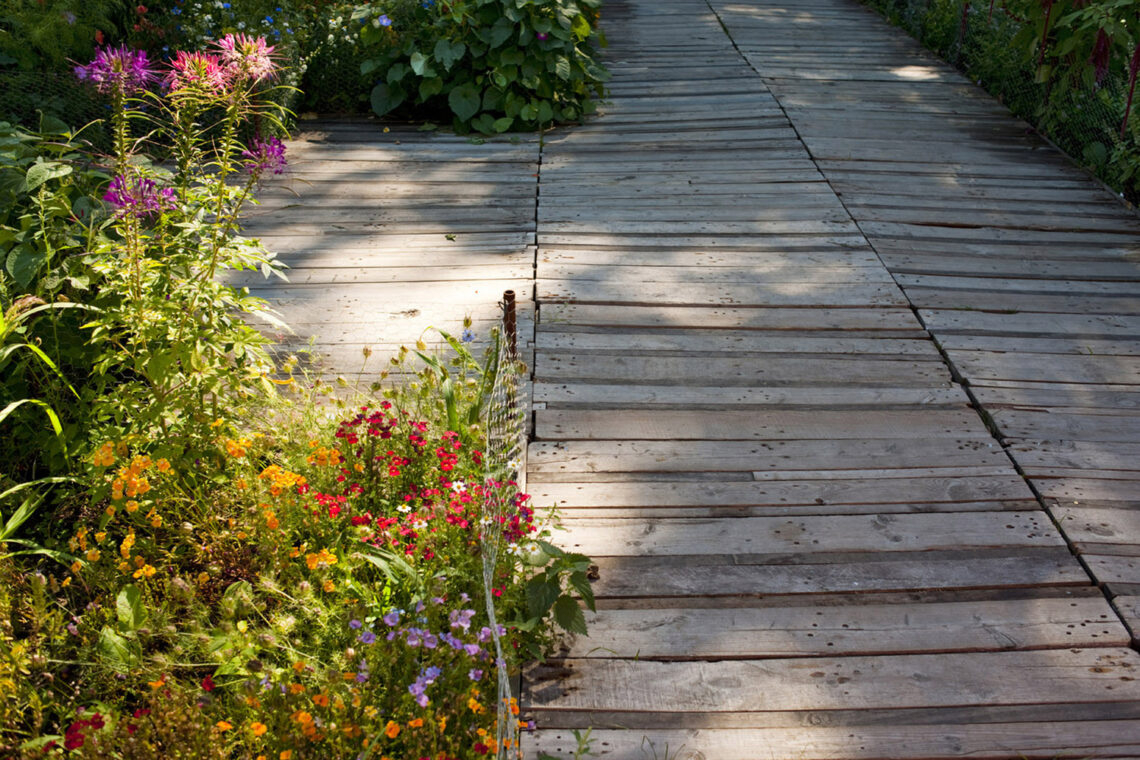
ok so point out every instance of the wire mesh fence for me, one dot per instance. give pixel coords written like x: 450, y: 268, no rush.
x: 505, y: 425
x: 1083, y: 117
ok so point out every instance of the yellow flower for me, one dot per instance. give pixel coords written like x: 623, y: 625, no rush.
x: 239, y: 484
x: 224, y: 725
x: 203, y: 578
x: 100, y: 536
x: 162, y: 465
x: 132, y: 506
x: 104, y: 456
x: 66, y: 582
x: 76, y: 566
x: 474, y: 706
x: 93, y: 555
x: 146, y: 571
x: 257, y: 729
x: 329, y: 587
x: 272, y: 522
x: 392, y: 730
x: 237, y: 449
x: 110, y: 510
x: 323, y: 558
x: 242, y: 626
x: 124, y: 567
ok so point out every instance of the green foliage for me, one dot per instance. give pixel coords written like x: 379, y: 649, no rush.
x: 1066, y: 66
x: 38, y: 35
x: 487, y: 65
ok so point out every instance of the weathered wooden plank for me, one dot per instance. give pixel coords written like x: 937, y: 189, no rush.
x: 756, y: 426
x: 1089, y: 675
x: 1087, y: 455
x: 605, y: 315
x: 1030, y: 324
x: 605, y: 396
x: 627, y: 577
x: 985, y: 365
x: 813, y: 494
x: 683, y: 277
x: 806, y: 535
x: 728, y: 456
x: 1054, y: 424
x: 904, y: 628
x: 704, y: 341
x: 1030, y: 740
x: 745, y: 371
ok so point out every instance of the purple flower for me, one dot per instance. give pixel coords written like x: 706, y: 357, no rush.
x: 474, y: 674
x: 432, y: 673
x: 430, y: 640
x: 437, y: 600
x: 484, y: 635
x: 354, y: 624
x: 392, y: 618
x: 384, y: 20
x: 415, y: 637
x: 119, y: 70
x: 265, y: 156
x: 368, y: 637
x: 541, y: 36
x: 473, y: 649
x: 461, y: 618
x: 137, y: 196
x: 362, y: 676
x: 451, y: 640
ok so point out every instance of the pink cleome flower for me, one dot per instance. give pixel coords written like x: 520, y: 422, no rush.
x: 244, y: 56
x: 118, y: 69
x: 196, y: 71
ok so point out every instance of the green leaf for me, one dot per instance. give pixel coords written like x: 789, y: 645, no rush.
x: 430, y: 87
x: 464, y: 101
x: 116, y: 649
x: 485, y: 123
x: 52, y: 416
x: 503, y: 124
x: 129, y: 607
x: 500, y: 32
x: 448, y: 52
x: 396, y: 72
x: 386, y: 97
x: 419, y: 62
x: 23, y: 262
x: 42, y: 172
x: 569, y: 615
x: 580, y: 28
x: 580, y: 583
x: 562, y: 68
x: 541, y: 594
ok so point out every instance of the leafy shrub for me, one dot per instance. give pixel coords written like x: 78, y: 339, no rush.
x: 488, y: 65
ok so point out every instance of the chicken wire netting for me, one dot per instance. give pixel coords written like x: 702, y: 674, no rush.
x: 504, y: 420
x: 1083, y: 117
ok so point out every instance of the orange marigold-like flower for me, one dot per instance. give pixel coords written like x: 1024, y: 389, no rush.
x: 224, y: 725
x: 392, y: 730
x: 257, y: 729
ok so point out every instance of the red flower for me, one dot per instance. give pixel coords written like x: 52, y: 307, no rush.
x: 98, y: 40
x: 208, y: 683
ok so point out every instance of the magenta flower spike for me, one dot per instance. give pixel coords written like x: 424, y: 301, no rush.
x: 244, y: 56
x: 197, y: 71
x: 138, y: 197
x: 118, y: 69
x: 265, y: 156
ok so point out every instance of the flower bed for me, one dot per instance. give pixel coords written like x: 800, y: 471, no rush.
x: 205, y: 555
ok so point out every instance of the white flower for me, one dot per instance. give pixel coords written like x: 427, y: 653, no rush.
x: 404, y: 508
x: 459, y: 486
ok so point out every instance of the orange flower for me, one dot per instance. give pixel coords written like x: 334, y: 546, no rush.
x: 329, y: 587
x: 224, y: 725
x: 162, y: 465
x: 105, y: 456
x: 257, y: 729
x: 321, y: 700
x: 392, y: 730
x: 286, y: 754
x: 272, y: 522
x: 415, y: 723
x: 298, y: 666
x: 296, y: 688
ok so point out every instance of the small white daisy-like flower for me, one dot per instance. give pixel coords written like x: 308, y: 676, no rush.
x: 459, y: 486
x: 404, y: 508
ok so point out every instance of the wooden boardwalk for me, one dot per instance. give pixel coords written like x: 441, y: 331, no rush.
x: 835, y: 375
x: 810, y: 545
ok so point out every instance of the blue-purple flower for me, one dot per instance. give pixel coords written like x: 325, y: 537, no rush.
x: 367, y: 637
x: 265, y: 156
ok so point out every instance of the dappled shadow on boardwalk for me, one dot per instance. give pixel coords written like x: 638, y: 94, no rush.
x: 809, y: 544
x: 389, y: 233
